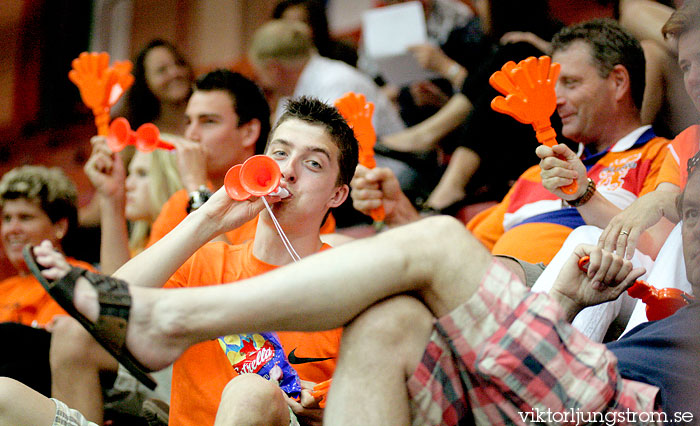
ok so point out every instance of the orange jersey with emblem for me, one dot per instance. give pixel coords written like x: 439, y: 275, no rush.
x: 531, y: 223
x: 24, y: 300
x: 202, y: 372
x: 175, y: 210
x: 675, y: 166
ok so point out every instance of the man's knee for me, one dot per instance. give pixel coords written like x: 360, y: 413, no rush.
x: 440, y: 227
x: 71, y: 344
x: 444, y: 239
x: 9, y: 390
x: 250, y: 399
x: 401, y: 323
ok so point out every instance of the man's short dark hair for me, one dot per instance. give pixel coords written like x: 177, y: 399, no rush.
x: 248, y: 100
x: 314, y: 111
x: 610, y: 45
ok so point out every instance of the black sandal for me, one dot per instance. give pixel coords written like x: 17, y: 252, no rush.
x: 115, y: 303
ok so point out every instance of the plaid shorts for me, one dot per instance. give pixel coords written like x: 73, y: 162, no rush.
x: 508, y: 356
x: 68, y: 417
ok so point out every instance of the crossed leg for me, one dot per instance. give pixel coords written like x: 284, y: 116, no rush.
x: 22, y: 405
x: 435, y: 259
x: 76, y: 362
x: 380, y: 349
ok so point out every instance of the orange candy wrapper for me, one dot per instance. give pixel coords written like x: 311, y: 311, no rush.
x: 358, y: 113
x: 661, y: 303
x: 530, y: 98
x: 100, y: 85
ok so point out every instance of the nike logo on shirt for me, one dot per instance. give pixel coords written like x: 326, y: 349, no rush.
x: 293, y: 359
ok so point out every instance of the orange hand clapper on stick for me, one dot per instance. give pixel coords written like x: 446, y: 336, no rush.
x: 661, y: 303
x: 100, y: 85
x: 358, y: 113
x: 530, y: 97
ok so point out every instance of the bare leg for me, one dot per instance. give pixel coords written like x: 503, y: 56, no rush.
x: 20, y: 405
x: 378, y: 352
x: 76, y: 362
x: 426, y: 134
x: 436, y: 258
x: 460, y: 170
x: 250, y: 400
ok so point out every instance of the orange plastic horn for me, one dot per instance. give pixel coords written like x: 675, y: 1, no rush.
x: 530, y: 97
x: 661, y: 303
x: 232, y: 184
x: 358, y: 113
x: 259, y: 175
x: 100, y: 85
x: 148, y: 138
x: 120, y: 134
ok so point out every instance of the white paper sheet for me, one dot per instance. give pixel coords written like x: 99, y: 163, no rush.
x: 387, y: 33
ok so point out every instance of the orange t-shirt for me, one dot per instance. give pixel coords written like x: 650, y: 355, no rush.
x: 675, y: 166
x: 531, y: 223
x: 24, y: 300
x: 202, y: 372
x: 175, y: 210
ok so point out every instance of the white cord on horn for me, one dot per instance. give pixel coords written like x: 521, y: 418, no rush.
x: 283, y: 236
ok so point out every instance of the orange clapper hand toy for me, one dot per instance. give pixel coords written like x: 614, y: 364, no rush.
x: 321, y: 391
x: 661, y: 303
x: 358, y: 113
x: 100, y: 85
x: 146, y: 138
x: 529, y: 97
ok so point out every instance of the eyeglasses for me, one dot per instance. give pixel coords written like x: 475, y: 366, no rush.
x: 692, y: 162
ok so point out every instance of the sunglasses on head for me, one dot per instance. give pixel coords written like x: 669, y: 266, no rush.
x: 692, y: 163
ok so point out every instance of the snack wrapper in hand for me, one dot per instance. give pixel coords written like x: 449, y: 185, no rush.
x: 259, y: 353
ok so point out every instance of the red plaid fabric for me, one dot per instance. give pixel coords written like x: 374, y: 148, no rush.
x: 508, y: 356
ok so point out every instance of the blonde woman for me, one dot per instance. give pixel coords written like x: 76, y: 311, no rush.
x: 136, y: 199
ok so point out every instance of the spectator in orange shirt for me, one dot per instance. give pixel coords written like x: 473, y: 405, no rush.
x: 228, y: 120
x: 37, y: 204
x: 317, y: 155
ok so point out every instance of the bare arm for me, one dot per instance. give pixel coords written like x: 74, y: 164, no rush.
x: 645, y: 223
x: 462, y: 166
x: 106, y: 172
x: 526, y: 37
x: 372, y: 188
x: 607, y: 277
x: 153, y: 266
x: 191, y: 161
x: 642, y: 225
x: 433, y: 58
x: 655, y: 87
x: 644, y: 19
x: 428, y: 133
